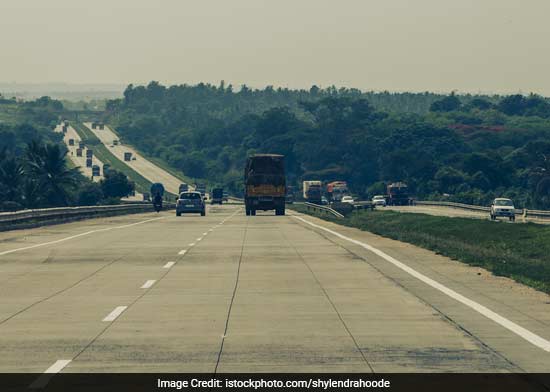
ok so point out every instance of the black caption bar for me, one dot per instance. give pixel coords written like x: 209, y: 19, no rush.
x: 175, y: 382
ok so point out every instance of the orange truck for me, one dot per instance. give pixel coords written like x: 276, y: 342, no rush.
x: 265, y: 184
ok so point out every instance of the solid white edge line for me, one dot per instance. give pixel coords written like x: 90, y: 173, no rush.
x: 148, y: 284
x: 44, y: 378
x: 497, y: 318
x: 170, y: 264
x: 6, y: 252
x: 115, y: 313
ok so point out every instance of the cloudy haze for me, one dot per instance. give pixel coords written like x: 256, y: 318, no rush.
x: 439, y: 45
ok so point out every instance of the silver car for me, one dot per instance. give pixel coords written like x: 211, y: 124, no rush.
x: 379, y: 200
x: 190, y: 202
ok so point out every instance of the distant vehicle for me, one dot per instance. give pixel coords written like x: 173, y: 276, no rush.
x: 503, y: 207
x: 225, y: 196
x: 201, y: 188
x: 133, y: 158
x: 157, y: 193
x: 379, y: 200
x: 71, y: 142
x: 313, y: 191
x: 189, y: 202
x: 336, y: 190
x: 127, y: 156
x: 115, y: 142
x: 81, y: 144
x: 348, y: 199
x: 397, y: 194
x: 78, y: 152
x: 146, y: 197
x: 106, y: 168
x: 183, y: 187
x: 96, y: 171
x: 89, y: 153
x: 88, y: 162
x: 216, y: 196
x: 265, y: 184
x: 324, y: 201
x: 290, y: 197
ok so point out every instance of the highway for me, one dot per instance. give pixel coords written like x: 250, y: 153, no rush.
x: 230, y: 293
x: 77, y: 161
x: 141, y: 165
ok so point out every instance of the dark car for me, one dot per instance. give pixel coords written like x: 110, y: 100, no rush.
x: 190, y: 202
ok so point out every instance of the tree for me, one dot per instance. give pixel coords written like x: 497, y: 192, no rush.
x: 447, y: 104
x: 47, y: 164
x: 90, y: 194
x: 116, y: 185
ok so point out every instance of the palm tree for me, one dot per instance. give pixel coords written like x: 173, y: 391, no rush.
x: 47, y: 166
x: 11, y: 175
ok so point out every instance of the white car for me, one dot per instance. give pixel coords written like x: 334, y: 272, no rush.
x: 379, y: 200
x: 348, y: 199
x: 503, y: 207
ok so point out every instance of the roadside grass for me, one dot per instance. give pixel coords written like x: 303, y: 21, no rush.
x: 518, y: 251
x: 157, y: 161
x: 104, y: 155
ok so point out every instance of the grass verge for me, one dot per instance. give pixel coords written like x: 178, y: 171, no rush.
x: 517, y: 251
x: 157, y: 161
x: 104, y: 155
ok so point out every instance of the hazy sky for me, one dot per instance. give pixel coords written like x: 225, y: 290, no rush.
x: 415, y: 45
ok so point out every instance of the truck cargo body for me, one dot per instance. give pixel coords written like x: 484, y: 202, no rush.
x: 183, y: 187
x: 96, y: 171
x: 313, y: 191
x: 336, y: 190
x: 397, y: 194
x: 216, y: 196
x: 265, y: 184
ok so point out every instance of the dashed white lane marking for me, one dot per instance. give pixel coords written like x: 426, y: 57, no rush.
x: 182, y: 252
x: 192, y: 244
x: 497, y: 318
x: 210, y: 230
x: 6, y: 252
x: 170, y: 264
x: 115, y: 313
x: 148, y: 284
x: 198, y: 239
x: 43, y: 380
x: 205, y: 233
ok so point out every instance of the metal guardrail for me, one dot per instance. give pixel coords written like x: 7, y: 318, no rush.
x: 363, y: 205
x: 322, y: 209
x: 37, y: 216
x: 453, y: 205
x: 525, y: 213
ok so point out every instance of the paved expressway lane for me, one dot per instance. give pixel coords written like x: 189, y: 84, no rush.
x: 228, y: 293
x: 146, y: 168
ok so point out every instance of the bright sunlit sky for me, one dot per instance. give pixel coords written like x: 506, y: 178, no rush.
x: 499, y: 46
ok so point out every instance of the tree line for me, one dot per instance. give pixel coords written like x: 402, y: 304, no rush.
x: 455, y: 147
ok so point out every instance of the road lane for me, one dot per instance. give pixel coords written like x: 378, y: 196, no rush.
x: 261, y: 293
x: 141, y: 165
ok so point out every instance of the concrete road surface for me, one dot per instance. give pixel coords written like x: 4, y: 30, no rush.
x: 141, y: 165
x: 230, y: 293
